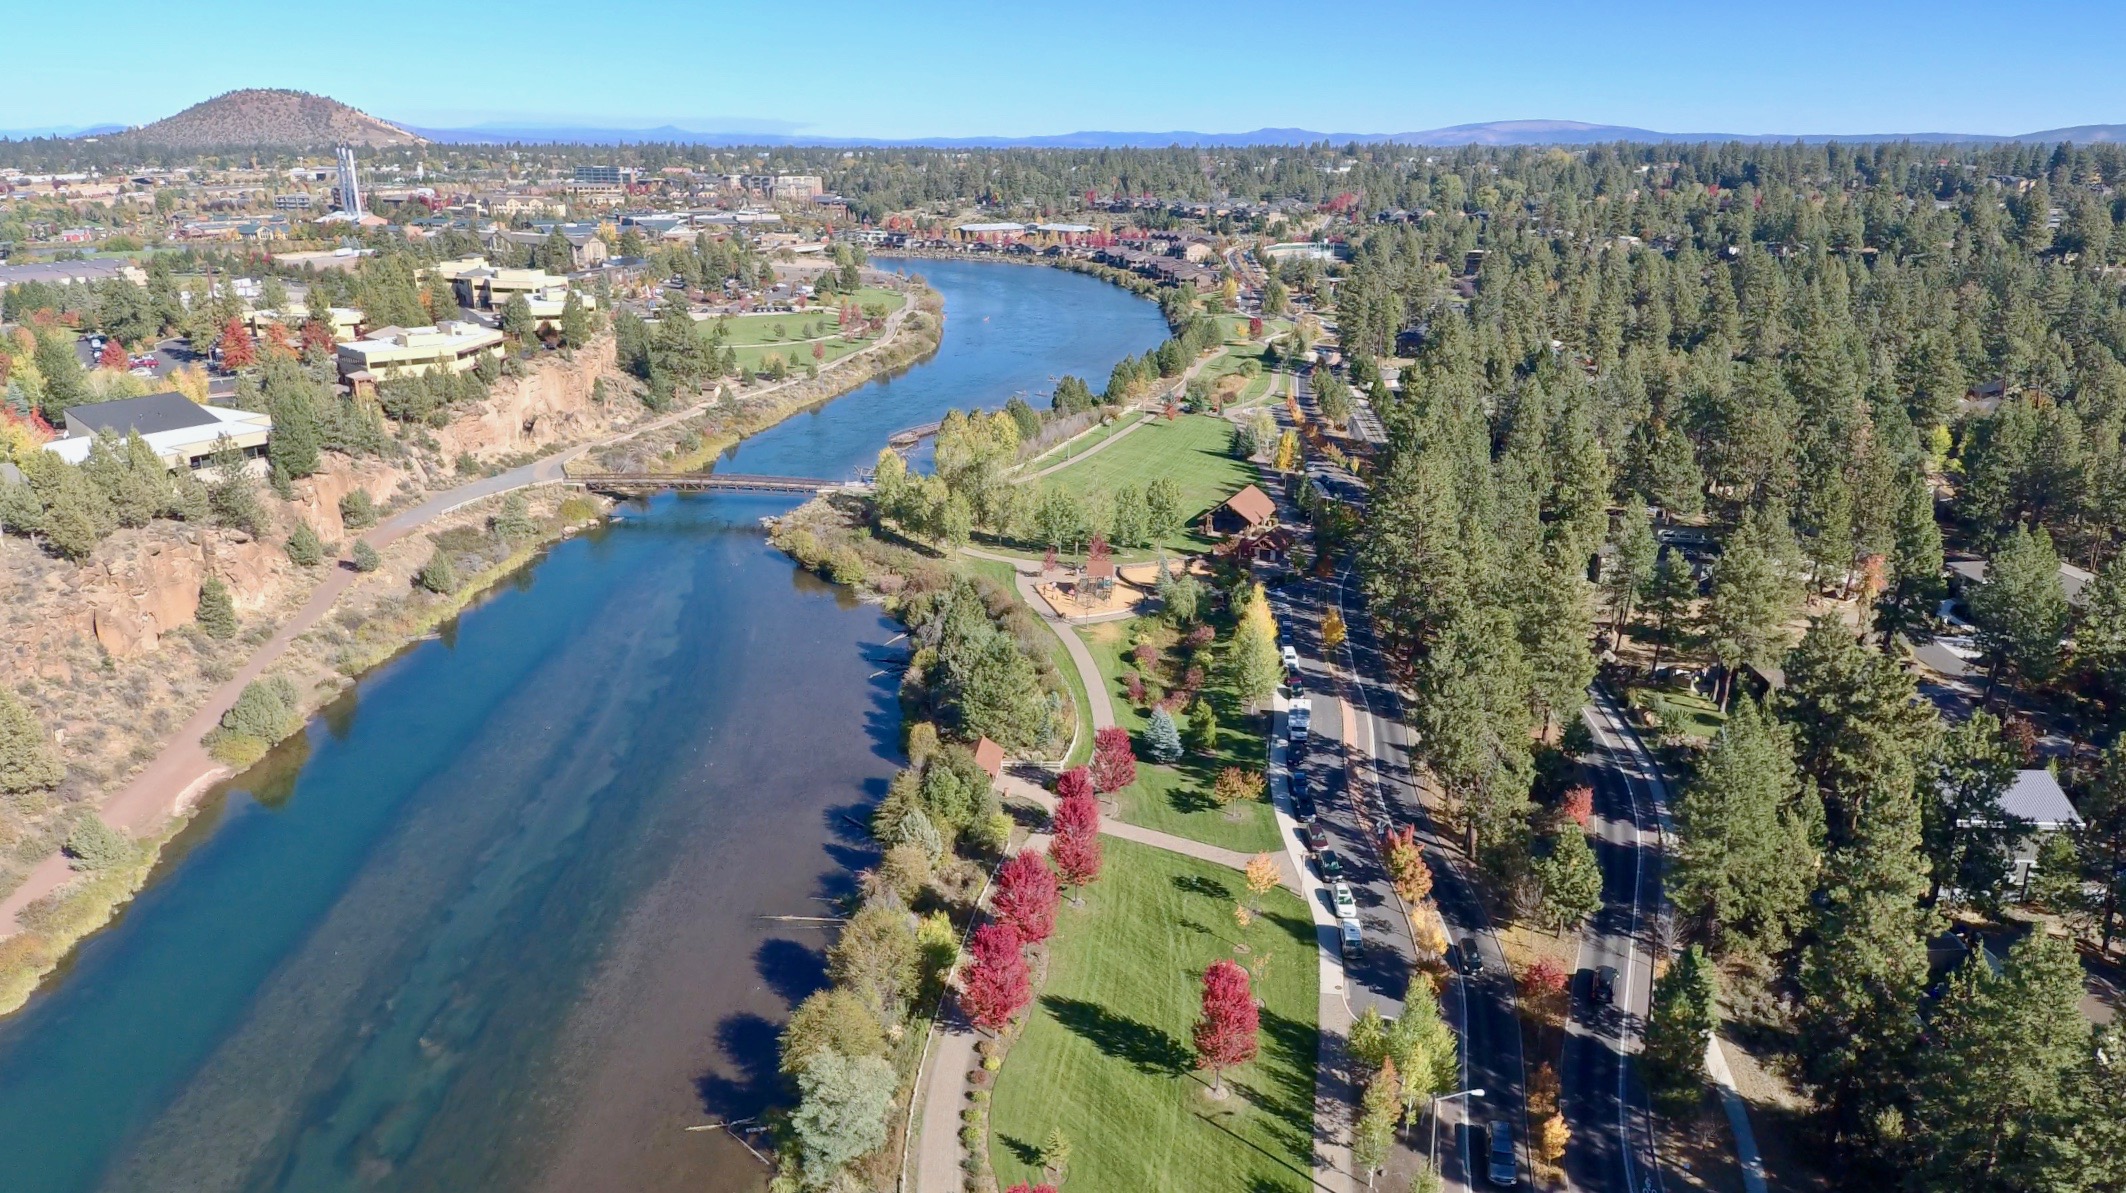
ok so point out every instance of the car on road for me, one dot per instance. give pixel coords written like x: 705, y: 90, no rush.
x: 1504, y: 1168
x: 1350, y: 938
x: 1470, y: 957
x: 1291, y: 658
x: 1309, y: 840
x: 1346, y: 906
x: 1303, y: 807
x: 1330, y: 865
x: 1604, y: 987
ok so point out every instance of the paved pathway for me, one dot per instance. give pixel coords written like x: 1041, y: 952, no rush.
x: 1094, y: 450
x: 183, y: 769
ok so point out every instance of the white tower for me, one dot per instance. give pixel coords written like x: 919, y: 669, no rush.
x: 350, y: 190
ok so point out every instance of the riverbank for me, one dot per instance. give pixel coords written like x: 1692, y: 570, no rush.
x: 56, y: 906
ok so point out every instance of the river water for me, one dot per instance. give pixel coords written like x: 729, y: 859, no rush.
x: 496, y: 920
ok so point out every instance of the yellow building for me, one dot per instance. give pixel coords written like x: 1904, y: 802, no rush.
x: 451, y: 345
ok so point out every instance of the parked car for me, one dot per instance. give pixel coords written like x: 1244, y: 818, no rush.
x: 1303, y: 808
x: 1346, y: 906
x: 1504, y: 1168
x: 1471, y: 958
x: 1291, y: 659
x: 1309, y: 840
x: 1350, y: 937
x: 1604, y: 988
x: 1330, y: 865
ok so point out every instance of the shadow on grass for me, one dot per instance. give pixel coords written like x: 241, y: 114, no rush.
x: 1150, y: 1049
x: 1022, y: 1151
x: 1197, y: 884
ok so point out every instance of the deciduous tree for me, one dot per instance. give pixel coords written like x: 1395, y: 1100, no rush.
x: 996, y: 985
x: 1225, y: 1033
x: 1026, y: 895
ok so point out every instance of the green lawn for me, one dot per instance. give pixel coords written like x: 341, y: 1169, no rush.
x: 1072, y: 448
x: 1106, y: 1056
x: 753, y: 338
x: 1192, y: 451
x: 1681, y: 712
x: 1176, y: 799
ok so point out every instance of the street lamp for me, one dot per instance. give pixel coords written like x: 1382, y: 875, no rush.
x: 1433, y: 1154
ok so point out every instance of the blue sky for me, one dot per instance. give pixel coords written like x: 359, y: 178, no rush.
x: 833, y: 67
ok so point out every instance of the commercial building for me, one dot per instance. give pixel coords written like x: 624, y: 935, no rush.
x: 292, y: 201
x: 346, y: 321
x: 450, y: 345
x: 584, y: 247
x: 604, y: 175
x: 182, y: 433
x: 485, y: 287
x: 71, y: 273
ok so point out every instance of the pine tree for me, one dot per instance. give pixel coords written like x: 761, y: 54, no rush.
x: 27, y: 760
x: 438, y: 575
x: 1556, y: 632
x: 1471, y: 714
x: 1752, y: 598
x: 296, y: 435
x: 365, y: 557
x: 1740, y: 877
x: 216, y: 614
x: 1162, y: 738
x: 1993, y: 1090
x: 1630, y: 568
x: 1571, y: 880
x: 1915, y: 586
x: 513, y: 522
x: 2100, y: 638
x: 304, y: 548
x: 2020, y: 611
x: 1680, y: 1026
x: 1970, y: 841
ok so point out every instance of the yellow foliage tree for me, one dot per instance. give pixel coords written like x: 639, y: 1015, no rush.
x: 1333, y: 631
x: 1261, y: 875
x: 1287, y: 452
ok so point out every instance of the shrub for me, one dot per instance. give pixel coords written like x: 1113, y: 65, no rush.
x: 365, y: 557
x: 264, y: 710
x: 578, y: 509
x: 438, y: 575
x: 304, y: 548
x: 217, y: 612
x: 93, y: 845
x: 357, y: 511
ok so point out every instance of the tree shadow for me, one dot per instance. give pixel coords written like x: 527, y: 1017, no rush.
x: 790, y: 969
x: 1197, y: 884
x: 1150, y: 1049
x: 748, y: 1046
x: 1022, y: 1151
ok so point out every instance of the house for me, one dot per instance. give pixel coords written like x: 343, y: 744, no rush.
x: 1966, y: 575
x: 1244, y: 512
x: 182, y: 433
x: 451, y: 345
x: 2034, y: 802
x: 989, y: 756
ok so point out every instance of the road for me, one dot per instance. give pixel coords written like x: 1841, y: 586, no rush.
x: 1602, y: 1097
x: 1369, y: 788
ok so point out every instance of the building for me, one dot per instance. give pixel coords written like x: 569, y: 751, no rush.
x: 2035, y: 804
x: 484, y: 287
x: 346, y: 321
x: 1966, y: 575
x: 449, y: 345
x: 585, y: 249
x: 181, y: 432
x: 796, y: 188
x: 1245, y: 512
x: 604, y: 175
x: 71, y: 273
x: 292, y: 201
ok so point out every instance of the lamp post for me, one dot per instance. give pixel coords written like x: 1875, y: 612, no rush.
x: 1432, y: 1156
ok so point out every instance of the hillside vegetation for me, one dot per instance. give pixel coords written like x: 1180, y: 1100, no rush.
x: 270, y: 117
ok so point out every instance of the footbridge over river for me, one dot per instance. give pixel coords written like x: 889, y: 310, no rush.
x: 635, y: 483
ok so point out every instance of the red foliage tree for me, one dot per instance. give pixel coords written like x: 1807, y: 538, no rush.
x: 1026, y: 895
x: 1114, y: 762
x: 1073, y: 782
x: 1133, y: 684
x: 1255, y: 328
x: 1146, y: 654
x: 113, y: 355
x: 1225, y: 1035
x: 996, y: 984
x: 1578, y: 805
x: 278, y: 341
x: 238, y: 349
x: 1544, y: 979
x: 819, y: 350
x: 316, y: 337
x: 1076, y: 826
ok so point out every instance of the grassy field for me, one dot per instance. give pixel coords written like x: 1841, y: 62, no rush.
x: 1191, y: 450
x: 753, y: 338
x: 1681, y: 712
x: 1105, y: 1057
x: 1071, y: 449
x: 1176, y: 799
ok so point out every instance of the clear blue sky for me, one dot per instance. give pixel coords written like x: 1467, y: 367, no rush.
x: 830, y: 67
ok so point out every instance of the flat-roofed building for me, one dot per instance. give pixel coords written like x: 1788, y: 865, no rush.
x: 346, y: 321
x: 182, y: 433
x: 450, y: 345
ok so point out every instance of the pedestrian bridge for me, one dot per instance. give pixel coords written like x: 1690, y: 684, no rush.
x: 634, y: 483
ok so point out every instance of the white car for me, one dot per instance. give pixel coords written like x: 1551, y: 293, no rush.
x: 1291, y: 658
x: 1346, y: 906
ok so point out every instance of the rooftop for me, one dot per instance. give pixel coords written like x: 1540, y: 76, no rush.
x: 171, y: 411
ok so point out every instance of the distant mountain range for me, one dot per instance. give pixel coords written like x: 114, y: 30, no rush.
x: 297, y: 119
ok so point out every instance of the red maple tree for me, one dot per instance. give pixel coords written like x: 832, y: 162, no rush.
x: 113, y: 355
x: 1026, y: 895
x: 316, y: 337
x: 238, y: 349
x: 1225, y: 1035
x: 1578, y: 805
x: 1114, y: 762
x: 1075, y: 781
x: 1076, y: 828
x: 996, y: 984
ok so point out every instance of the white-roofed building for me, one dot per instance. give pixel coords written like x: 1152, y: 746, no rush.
x: 181, y: 432
x: 452, y: 345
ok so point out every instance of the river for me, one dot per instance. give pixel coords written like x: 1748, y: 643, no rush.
x: 496, y: 919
